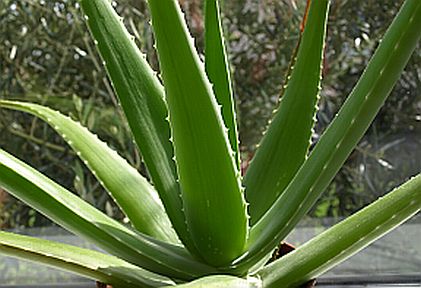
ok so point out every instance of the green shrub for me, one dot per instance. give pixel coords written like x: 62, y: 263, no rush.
x: 208, y: 219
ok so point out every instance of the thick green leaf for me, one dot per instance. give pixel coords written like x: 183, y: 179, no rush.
x: 218, y: 71
x: 132, y: 192
x: 223, y: 281
x: 286, y: 142
x: 80, y: 218
x: 344, y: 239
x: 88, y: 263
x: 142, y: 98
x: 213, y: 201
x: 342, y: 135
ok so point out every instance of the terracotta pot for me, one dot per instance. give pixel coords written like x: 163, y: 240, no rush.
x: 283, y: 249
x: 102, y: 285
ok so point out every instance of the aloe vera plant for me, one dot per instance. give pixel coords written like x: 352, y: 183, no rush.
x: 200, y: 223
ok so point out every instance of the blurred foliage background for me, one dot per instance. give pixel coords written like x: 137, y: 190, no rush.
x: 48, y: 57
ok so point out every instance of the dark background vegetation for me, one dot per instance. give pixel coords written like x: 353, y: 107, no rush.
x: 48, y: 57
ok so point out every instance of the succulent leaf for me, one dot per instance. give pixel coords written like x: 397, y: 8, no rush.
x: 222, y: 281
x: 142, y: 98
x: 343, y: 133
x: 136, y: 197
x: 80, y: 218
x: 88, y: 263
x: 345, y: 238
x: 218, y: 71
x: 286, y: 142
x: 212, y: 198
x: 190, y: 147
